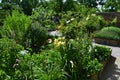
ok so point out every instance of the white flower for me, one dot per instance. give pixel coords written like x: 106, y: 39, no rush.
x: 49, y: 40
x: 23, y: 52
x: 72, y: 19
x: 72, y: 63
x: 68, y: 21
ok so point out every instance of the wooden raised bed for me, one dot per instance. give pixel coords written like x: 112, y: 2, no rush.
x: 107, y: 41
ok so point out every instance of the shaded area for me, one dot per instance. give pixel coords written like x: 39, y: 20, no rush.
x: 111, y: 70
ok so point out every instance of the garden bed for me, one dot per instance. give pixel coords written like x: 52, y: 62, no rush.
x: 98, y: 76
x: 104, y: 65
x: 103, y: 55
x: 108, y: 36
x: 107, y: 41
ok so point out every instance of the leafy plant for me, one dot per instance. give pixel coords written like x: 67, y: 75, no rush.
x: 3, y: 14
x: 94, y: 22
x: 76, y: 57
x: 15, y: 26
x: 102, y: 53
x: 45, y: 17
x: 9, y: 51
x: 35, y: 37
x: 48, y: 66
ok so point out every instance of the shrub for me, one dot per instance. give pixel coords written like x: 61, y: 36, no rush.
x: 35, y: 36
x: 9, y: 51
x: 108, y: 33
x: 73, y: 30
x: 45, y: 17
x: 94, y: 22
x: 112, y: 29
x: 102, y: 53
x: 15, y: 26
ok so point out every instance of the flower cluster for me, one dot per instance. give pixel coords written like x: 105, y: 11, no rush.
x: 60, y: 41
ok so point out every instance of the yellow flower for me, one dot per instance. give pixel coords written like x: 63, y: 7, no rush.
x: 56, y: 41
x: 60, y: 41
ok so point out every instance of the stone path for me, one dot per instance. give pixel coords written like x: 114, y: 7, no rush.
x: 112, y: 69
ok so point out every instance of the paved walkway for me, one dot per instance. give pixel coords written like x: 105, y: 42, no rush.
x: 112, y: 69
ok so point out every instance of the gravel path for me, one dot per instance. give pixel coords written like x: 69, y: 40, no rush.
x: 112, y: 69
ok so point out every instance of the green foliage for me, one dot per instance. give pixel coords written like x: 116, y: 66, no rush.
x: 44, y: 17
x: 73, y: 29
x: 48, y: 66
x: 15, y: 26
x: 76, y: 52
x: 112, y: 29
x: 94, y: 22
x: 93, y: 67
x: 71, y: 57
x: 89, y: 3
x: 35, y: 36
x: 111, y: 6
x: 69, y: 5
x: 77, y: 58
x: 9, y: 51
x: 10, y: 6
x: 108, y: 33
x: 17, y: 63
x: 3, y: 14
x: 101, y: 53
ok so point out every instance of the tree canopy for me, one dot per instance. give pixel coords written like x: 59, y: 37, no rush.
x: 62, y: 5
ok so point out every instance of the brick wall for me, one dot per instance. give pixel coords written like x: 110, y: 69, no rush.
x: 110, y: 16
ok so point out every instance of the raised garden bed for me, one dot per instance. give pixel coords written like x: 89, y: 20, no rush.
x: 98, y: 76
x: 107, y: 41
x: 103, y: 55
x: 108, y: 36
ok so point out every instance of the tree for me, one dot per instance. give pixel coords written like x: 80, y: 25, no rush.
x: 89, y: 3
x: 69, y: 5
x: 111, y: 6
x: 28, y: 6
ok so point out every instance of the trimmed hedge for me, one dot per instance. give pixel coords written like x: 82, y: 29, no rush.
x: 112, y: 33
x: 112, y: 29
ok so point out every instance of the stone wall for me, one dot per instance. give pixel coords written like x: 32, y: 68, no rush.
x: 110, y: 16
